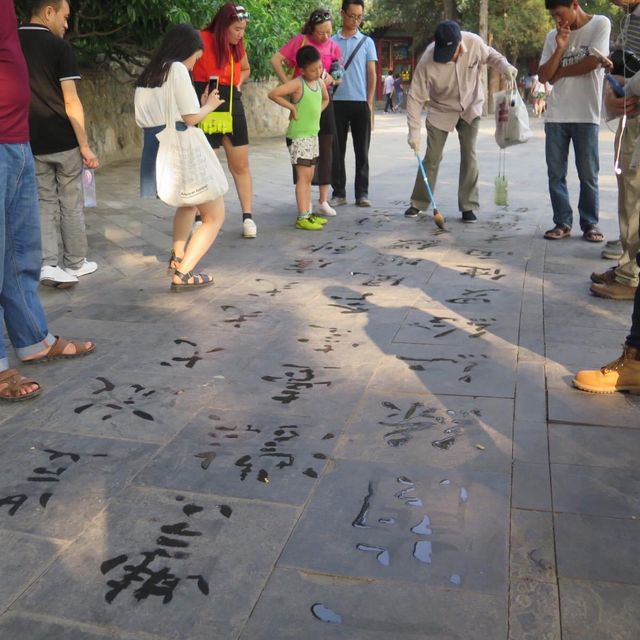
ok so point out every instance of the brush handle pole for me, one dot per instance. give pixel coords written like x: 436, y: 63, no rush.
x: 426, y: 182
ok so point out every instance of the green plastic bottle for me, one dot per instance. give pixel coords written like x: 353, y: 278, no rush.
x: 500, y: 196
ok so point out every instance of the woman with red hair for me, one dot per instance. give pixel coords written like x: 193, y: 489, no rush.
x: 225, y: 58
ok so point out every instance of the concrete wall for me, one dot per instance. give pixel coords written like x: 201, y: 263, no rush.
x: 108, y: 102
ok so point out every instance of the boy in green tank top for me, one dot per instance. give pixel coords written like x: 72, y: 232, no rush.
x: 306, y: 97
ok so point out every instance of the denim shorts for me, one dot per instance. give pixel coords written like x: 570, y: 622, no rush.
x: 148, y: 159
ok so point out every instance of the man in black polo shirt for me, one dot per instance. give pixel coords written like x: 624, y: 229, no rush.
x: 58, y: 140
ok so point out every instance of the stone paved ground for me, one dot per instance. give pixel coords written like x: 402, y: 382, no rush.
x: 363, y: 433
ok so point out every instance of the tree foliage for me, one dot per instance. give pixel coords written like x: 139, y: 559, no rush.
x: 126, y: 31
x: 517, y: 29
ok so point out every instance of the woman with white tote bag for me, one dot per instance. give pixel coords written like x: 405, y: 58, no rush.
x: 177, y: 163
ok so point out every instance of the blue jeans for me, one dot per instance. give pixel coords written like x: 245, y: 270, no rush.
x: 21, y: 254
x: 585, y: 148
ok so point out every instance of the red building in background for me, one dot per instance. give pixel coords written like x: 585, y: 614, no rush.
x: 395, y: 54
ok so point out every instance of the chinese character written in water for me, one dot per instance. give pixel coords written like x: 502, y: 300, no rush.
x: 301, y: 265
x: 398, y: 516
x: 45, y: 475
x: 478, y: 326
x: 330, y: 247
x: 484, y: 254
x: 195, y: 357
x: 273, y: 454
x: 298, y: 378
x: 384, y: 259
x: 274, y: 291
x: 469, y: 361
x: 469, y: 296
x: 355, y: 304
x: 111, y: 402
x: 153, y: 574
x: 479, y: 272
x: 402, y: 424
x: 378, y: 280
x: 334, y: 336
x: 413, y: 245
x: 239, y: 317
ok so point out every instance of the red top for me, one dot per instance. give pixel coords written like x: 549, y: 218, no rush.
x: 208, y: 65
x: 15, y: 94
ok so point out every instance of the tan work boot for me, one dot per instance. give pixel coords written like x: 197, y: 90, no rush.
x: 613, y: 290
x: 622, y: 374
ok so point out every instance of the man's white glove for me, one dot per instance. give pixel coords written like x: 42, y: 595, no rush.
x: 511, y: 73
x: 414, y: 143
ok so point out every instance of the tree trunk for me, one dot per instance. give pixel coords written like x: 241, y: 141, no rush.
x: 449, y: 9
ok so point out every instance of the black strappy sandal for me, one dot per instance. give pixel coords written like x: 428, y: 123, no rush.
x: 199, y: 280
x: 174, y: 263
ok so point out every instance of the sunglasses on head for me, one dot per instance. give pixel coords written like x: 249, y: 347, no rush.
x: 321, y: 17
x: 241, y: 13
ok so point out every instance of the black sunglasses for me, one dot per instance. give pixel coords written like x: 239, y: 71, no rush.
x: 241, y: 13
x: 321, y: 17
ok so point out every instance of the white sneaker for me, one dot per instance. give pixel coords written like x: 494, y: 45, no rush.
x: 56, y: 277
x: 325, y: 209
x: 83, y: 270
x: 249, y: 229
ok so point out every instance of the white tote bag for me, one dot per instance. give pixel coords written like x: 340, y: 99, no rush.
x: 512, y: 119
x: 188, y: 172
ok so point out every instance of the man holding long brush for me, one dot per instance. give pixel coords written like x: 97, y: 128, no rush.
x: 448, y: 80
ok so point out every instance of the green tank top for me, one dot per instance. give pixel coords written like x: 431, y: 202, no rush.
x: 309, y: 108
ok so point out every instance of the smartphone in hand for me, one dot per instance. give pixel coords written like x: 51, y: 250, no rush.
x: 596, y: 53
x: 213, y: 83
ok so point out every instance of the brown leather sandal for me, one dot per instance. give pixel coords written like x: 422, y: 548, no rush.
x: 198, y: 280
x: 557, y: 233
x: 57, y: 351
x: 593, y: 234
x: 15, y: 382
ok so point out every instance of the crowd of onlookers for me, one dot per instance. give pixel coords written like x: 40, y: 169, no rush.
x: 190, y: 94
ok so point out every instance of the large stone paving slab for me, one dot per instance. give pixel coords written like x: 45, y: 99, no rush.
x: 599, y: 610
x: 406, y: 522
x: 114, y: 403
x: 249, y: 455
x: 52, y: 484
x: 607, y: 549
x: 476, y: 370
x: 371, y: 611
x: 23, y: 559
x: 445, y: 432
x: 595, y: 446
x: 167, y: 564
x: 598, y: 491
x: 14, y: 625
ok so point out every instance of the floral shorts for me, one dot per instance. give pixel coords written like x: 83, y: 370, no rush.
x: 304, y: 151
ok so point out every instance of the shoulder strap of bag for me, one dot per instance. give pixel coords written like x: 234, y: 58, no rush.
x: 169, y: 100
x: 351, y: 57
x: 231, y: 87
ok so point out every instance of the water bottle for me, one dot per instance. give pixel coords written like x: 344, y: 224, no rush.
x: 89, y: 187
x: 500, y: 196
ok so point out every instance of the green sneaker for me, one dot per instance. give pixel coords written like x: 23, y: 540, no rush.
x: 318, y: 219
x: 307, y: 224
